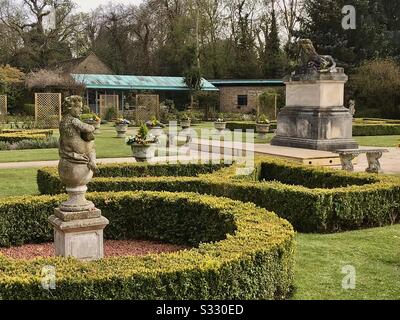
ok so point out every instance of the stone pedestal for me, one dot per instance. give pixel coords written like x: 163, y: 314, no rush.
x: 314, y: 116
x: 79, y: 234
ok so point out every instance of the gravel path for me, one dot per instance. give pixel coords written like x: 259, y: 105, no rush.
x: 111, y: 249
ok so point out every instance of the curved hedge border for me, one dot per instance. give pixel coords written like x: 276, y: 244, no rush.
x: 249, y: 252
x: 313, y: 199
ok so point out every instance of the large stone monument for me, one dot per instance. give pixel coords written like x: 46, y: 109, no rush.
x: 314, y: 116
x: 78, y: 225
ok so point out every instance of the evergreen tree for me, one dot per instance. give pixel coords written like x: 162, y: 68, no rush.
x: 323, y: 26
x: 274, y: 61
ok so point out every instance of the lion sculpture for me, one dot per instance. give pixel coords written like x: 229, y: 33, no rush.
x: 311, y: 62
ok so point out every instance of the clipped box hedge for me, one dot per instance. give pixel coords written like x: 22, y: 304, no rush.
x: 50, y: 184
x: 48, y: 133
x: 313, y: 199
x: 17, y: 137
x: 240, y: 251
x: 368, y: 128
x: 243, y: 126
x: 382, y: 129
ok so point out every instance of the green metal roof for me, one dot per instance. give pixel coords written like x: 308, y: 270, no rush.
x: 103, y: 81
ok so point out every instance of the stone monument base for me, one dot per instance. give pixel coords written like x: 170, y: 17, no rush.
x: 79, y: 234
x: 322, y: 145
x: 314, y: 116
x: 326, y: 129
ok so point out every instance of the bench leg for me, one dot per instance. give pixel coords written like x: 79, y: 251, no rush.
x: 347, y: 161
x: 374, y: 166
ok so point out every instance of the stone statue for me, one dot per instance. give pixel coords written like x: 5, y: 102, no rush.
x: 352, y: 107
x: 310, y: 62
x: 77, y: 155
x: 78, y: 224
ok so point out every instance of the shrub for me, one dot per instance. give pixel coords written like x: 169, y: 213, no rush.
x: 246, y: 126
x: 241, y: 251
x: 376, y: 84
x: 381, y: 129
x: 29, y: 109
x: 111, y: 114
x: 313, y: 199
x: 48, y: 133
x: 49, y: 182
x: 17, y: 137
x: 30, y: 144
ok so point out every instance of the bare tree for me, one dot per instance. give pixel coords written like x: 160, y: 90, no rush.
x: 290, y: 11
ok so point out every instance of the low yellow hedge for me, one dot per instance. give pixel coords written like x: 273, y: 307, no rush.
x: 240, y: 251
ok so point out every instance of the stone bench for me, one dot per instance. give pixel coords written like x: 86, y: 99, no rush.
x: 373, y: 155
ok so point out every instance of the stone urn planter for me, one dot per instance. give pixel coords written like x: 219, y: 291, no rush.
x: 156, y: 131
x: 143, y: 152
x: 95, y: 124
x: 121, y: 130
x: 220, y: 126
x: 262, y: 129
x: 185, y: 124
x: 75, y: 177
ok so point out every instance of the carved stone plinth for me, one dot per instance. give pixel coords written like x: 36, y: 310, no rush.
x: 79, y: 234
x: 314, y: 116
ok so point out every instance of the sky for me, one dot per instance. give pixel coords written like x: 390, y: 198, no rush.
x: 87, y: 5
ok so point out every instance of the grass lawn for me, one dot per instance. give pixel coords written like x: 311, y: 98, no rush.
x: 107, y: 146
x: 374, y: 253
x: 18, y: 182
x: 379, y: 141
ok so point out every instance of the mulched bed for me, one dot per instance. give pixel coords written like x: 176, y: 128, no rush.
x: 111, y: 249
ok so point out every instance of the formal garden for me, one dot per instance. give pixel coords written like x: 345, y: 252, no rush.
x: 199, y: 150
x: 218, y: 223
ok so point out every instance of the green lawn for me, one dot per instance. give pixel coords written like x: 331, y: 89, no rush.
x: 379, y: 141
x: 18, y: 182
x: 374, y: 253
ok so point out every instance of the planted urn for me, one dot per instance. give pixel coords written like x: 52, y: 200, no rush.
x: 220, y: 124
x: 185, y: 121
x: 93, y: 120
x: 156, y: 127
x: 121, y: 126
x: 143, y: 144
x: 262, y: 126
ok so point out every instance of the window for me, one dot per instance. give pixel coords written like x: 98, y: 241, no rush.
x: 242, y: 100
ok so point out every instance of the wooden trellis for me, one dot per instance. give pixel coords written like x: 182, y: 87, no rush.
x: 47, y: 110
x: 147, y: 107
x: 107, y: 101
x: 3, y: 106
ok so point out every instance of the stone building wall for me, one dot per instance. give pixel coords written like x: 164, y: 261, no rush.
x: 229, y: 98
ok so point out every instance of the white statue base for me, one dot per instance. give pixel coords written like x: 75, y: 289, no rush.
x: 79, y: 234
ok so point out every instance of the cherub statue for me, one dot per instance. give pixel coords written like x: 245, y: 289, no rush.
x: 76, y: 137
x: 77, y: 156
x: 311, y: 62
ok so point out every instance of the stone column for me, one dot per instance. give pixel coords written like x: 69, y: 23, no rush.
x: 314, y: 116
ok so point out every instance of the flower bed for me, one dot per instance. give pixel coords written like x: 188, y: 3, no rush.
x: 313, y: 199
x: 240, y: 251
